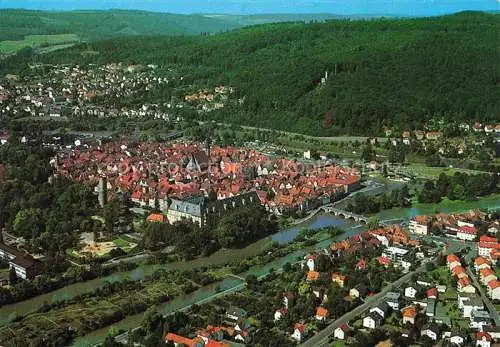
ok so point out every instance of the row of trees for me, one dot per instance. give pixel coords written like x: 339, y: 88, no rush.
x: 362, y: 203
x: 460, y: 186
x: 237, y: 229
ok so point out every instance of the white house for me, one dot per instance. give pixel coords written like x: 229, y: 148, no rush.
x: 280, y: 313
x: 430, y: 332
x: 310, y: 262
x: 483, y: 339
x: 467, y: 233
x: 494, y: 289
x: 457, y: 340
x: 419, y: 225
x: 467, y: 303
x: 341, y: 332
x: 299, y: 332
x: 373, y: 320
x: 410, y: 292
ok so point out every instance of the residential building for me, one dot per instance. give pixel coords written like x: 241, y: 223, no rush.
x: 236, y: 314
x: 481, y: 263
x: 432, y: 293
x: 494, y: 289
x: 180, y: 341
x: 469, y: 302
x: 430, y: 310
x: 310, y: 261
x: 156, y: 217
x: 467, y: 233
x: 431, y: 331
x: 409, y: 313
x: 299, y: 332
x: 373, y: 320
x: 410, y: 292
x: 420, y: 225
x: 479, y: 318
x: 483, y: 339
x: 456, y: 340
x: 25, y: 266
x: 382, y: 309
x: 338, y: 279
x: 395, y: 253
x: 321, y: 314
x: 487, y: 275
x: 392, y: 300
x: 280, y: 313
x: 464, y: 286
x: 341, y: 332
x: 493, y: 330
x: 312, y: 276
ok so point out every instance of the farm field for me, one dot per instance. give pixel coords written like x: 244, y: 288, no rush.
x: 37, y: 40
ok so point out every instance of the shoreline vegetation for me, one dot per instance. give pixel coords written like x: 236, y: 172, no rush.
x: 122, y: 307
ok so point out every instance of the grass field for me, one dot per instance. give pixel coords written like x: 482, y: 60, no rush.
x: 37, y: 40
x: 125, y: 245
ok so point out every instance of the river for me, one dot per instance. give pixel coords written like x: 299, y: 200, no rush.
x: 8, y: 312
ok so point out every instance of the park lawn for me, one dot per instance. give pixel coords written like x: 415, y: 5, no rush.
x: 497, y: 271
x: 460, y: 323
x: 424, y: 170
x: 450, y: 294
x: 32, y: 40
x: 124, y: 245
x: 442, y: 274
x: 338, y: 344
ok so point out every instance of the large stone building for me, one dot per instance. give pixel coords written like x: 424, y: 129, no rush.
x: 201, y: 210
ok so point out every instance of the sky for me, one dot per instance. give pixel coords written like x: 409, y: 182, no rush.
x: 343, y: 7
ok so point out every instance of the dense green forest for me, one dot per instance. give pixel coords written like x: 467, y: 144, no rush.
x: 381, y: 72
x: 98, y: 25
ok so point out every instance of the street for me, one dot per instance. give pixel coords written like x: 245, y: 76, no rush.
x: 322, y: 337
x: 491, y: 308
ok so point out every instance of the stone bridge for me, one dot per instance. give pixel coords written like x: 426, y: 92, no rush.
x: 345, y: 214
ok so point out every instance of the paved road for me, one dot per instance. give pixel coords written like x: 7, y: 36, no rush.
x: 486, y: 300
x: 321, y: 338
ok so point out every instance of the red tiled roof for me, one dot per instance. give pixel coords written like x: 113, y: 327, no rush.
x: 480, y: 261
x: 432, y: 292
x: 494, y: 284
x: 464, y: 282
x: 312, y: 275
x: 156, y: 217
x: 486, y: 272
x: 299, y: 327
x: 486, y: 238
x: 213, y: 343
x: 321, y: 312
x: 384, y: 260
x: 182, y: 340
x: 410, y: 312
x: 468, y: 230
x: 481, y: 335
x: 458, y: 270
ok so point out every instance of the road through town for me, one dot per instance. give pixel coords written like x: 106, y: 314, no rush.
x: 322, y: 337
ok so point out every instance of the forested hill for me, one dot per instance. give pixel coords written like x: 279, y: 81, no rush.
x: 99, y: 25
x: 381, y: 72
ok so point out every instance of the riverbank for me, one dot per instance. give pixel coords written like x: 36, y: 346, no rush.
x: 219, y: 258
x: 490, y: 202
